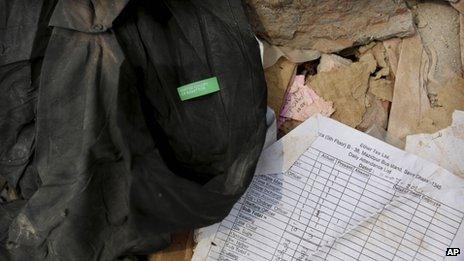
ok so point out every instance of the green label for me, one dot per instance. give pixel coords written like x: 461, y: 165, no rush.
x: 197, y: 89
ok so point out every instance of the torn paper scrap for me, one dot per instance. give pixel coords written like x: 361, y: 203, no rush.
x: 445, y: 147
x: 301, y: 102
x: 348, y: 196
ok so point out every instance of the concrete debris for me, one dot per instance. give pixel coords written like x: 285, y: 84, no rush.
x: 376, y: 114
x: 278, y: 78
x: 380, y: 55
x: 450, y: 97
x: 410, y: 85
x: 410, y: 101
x: 329, y: 26
x: 377, y: 50
x: 438, y: 27
x: 365, y: 48
x: 461, y: 35
x: 428, y: 85
x: 459, y: 6
x: 347, y: 88
x: 330, y: 62
x: 381, y: 88
x: 411, y: 110
x: 392, y: 48
x: 369, y: 60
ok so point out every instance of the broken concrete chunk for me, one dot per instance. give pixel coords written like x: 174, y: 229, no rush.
x: 459, y: 6
x: 365, y: 48
x: 329, y: 26
x: 377, y: 50
x: 347, y: 88
x: 278, y: 78
x: 438, y: 27
x: 461, y: 35
x: 449, y: 98
x: 392, y: 48
x: 410, y: 101
x: 411, y: 112
x: 332, y: 62
x: 376, y: 114
x: 369, y: 60
x: 380, y: 55
x: 381, y: 88
x: 428, y: 62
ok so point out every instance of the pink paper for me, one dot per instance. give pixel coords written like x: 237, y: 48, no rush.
x: 301, y: 102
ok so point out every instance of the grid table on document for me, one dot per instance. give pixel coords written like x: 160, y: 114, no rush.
x: 302, y: 214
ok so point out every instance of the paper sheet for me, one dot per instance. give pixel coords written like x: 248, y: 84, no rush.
x: 346, y: 196
x: 445, y: 147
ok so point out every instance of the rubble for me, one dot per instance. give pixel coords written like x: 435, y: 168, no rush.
x: 329, y: 26
x: 458, y: 5
x: 407, y: 72
x: 410, y: 100
x: 346, y: 88
x: 330, y: 62
x: 381, y: 88
x: 376, y: 114
x: 450, y: 97
x: 380, y: 55
x: 392, y: 48
x: 438, y: 27
x: 428, y: 84
x: 278, y: 78
x: 461, y: 36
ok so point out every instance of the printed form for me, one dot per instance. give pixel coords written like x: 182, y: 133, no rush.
x: 348, y: 196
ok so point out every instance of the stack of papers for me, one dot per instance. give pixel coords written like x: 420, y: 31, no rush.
x: 328, y: 192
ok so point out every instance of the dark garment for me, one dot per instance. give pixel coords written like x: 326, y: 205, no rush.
x: 107, y: 158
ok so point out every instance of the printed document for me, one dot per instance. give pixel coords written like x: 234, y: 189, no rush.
x: 329, y: 192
